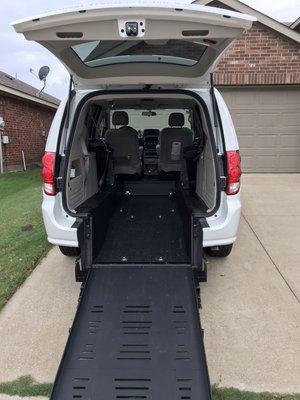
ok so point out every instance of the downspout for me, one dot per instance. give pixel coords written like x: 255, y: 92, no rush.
x: 2, y: 124
x: 1, y: 155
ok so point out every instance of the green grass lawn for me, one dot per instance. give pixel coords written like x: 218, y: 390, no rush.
x: 25, y: 386
x: 22, y: 236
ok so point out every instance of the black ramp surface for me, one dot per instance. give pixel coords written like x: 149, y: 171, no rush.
x: 145, y: 229
x: 136, y: 335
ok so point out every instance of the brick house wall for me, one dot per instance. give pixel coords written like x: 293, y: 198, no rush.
x: 260, y: 57
x: 27, y: 125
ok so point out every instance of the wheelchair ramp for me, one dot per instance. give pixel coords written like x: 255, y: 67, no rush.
x: 136, y: 335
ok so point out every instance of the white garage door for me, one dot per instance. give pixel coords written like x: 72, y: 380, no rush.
x: 267, y: 121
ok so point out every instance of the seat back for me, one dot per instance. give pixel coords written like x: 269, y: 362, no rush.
x: 172, y: 142
x: 125, y: 145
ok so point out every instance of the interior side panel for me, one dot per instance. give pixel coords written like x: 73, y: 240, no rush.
x: 82, y: 171
x: 206, y: 186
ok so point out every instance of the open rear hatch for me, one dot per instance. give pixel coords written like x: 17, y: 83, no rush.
x: 137, y: 43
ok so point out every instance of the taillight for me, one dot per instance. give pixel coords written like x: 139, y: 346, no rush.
x: 234, y: 172
x: 48, y: 162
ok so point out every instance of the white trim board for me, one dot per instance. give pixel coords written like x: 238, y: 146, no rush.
x: 262, y: 18
x: 25, y: 96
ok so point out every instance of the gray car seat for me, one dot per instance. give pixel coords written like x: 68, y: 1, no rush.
x: 125, y: 145
x: 172, y: 142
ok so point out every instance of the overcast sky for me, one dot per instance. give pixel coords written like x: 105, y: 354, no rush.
x: 18, y: 55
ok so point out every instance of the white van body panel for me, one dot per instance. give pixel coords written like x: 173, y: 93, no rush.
x: 230, y: 137
x: 223, y: 225
x: 57, y: 222
x: 52, y: 140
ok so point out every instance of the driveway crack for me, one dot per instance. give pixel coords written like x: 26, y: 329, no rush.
x: 271, y: 259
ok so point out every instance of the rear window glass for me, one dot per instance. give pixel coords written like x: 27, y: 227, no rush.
x: 154, y: 119
x: 98, y: 53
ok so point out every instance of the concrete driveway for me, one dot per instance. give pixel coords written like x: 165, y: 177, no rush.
x: 251, y: 310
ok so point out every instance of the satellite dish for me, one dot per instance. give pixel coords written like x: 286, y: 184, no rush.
x: 43, y: 72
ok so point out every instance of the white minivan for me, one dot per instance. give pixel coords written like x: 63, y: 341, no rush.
x: 143, y: 150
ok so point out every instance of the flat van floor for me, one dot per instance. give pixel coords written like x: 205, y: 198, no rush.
x: 145, y: 229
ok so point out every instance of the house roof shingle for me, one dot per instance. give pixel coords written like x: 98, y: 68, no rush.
x: 16, y: 84
x: 295, y: 25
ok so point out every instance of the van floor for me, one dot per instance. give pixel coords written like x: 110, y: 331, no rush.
x: 145, y: 229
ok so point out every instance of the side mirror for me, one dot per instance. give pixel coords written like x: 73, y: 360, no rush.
x: 43, y: 72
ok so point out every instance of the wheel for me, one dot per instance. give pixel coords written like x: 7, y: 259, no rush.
x: 219, y: 251
x: 69, y: 251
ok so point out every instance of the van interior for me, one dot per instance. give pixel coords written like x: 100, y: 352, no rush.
x: 143, y: 166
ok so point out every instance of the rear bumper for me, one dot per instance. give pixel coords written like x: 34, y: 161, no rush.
x: 57, y: 223
x: 223, y: 226
x: 222, y: 230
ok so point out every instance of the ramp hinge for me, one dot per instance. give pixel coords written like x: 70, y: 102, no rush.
x: 80, y: 274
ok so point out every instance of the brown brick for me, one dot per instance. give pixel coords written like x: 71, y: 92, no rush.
x: 276, y: 59
x: 27, y: 125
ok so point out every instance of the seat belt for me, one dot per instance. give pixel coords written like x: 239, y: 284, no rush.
x: 101, y: 181
x: 184, y: 178
x: 86, y: 161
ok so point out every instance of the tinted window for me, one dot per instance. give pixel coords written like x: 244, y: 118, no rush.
x: 97, y: 53
x: 139, y: 120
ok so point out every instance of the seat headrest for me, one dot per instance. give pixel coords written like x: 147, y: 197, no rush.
x: 176, y: 119
x: 120, y: 118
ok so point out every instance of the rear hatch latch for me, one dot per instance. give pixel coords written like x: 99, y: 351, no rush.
x: 58, y: 183
x: 223, y: 182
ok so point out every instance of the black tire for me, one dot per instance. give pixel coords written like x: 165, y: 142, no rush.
x: 69, y: 251
x: 219, y: 251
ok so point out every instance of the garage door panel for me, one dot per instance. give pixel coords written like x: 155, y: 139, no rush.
x: 262, y: 141
x: 292, y: 98
x: 243, y: 99
x: 246, y: 141
x: 247, y: 163
x: 269, y: 151
x: 267, y: 121
x: 259, y: 162
x: 242, y: 119
x: 289, y: 119
x: 290, y: 140
x: 265, y: 161
x: 288, y: 163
